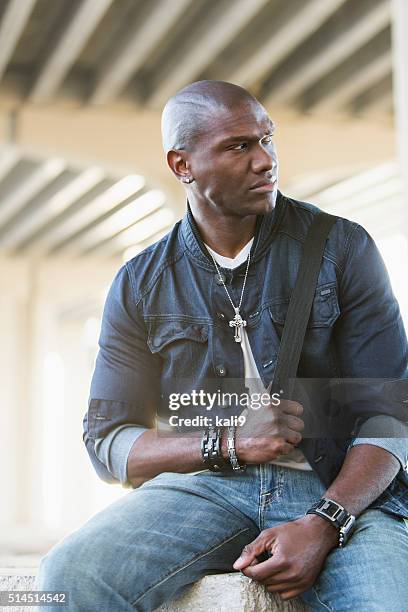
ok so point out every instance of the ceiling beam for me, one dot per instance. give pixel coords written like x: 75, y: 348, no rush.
x: 114, y: 75
x: 118, y: 221
x: 52, y: 208
x: 12, y: 25
x: 35, y: 182
x: 139, y: 232
x: 358, y: 81
x: 9, y: 157
x: 369, y: 196
x: 287, y: 32
x: 91, y: 212
x: 322, y: 53
x: 75, y: 36
x: 214, y: 34
x: 307, y: 186
x: 356, y: 184
x: 382, y: 224
x: 376, y: 99
x: 383, y: 105
x: 340, y: 86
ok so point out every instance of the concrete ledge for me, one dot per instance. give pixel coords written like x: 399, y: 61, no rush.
x: 218, y: 593
x: 230, y: 593
x: 17, y: 576
x: 18, y: 573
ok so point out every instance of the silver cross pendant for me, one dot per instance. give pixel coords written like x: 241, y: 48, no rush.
x: 237, y: 322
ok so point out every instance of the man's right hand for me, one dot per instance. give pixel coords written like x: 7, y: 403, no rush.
x: 269, y: 432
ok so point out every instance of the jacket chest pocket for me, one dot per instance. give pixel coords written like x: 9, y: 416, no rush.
x: 325, y: 308
x: 182, y: 345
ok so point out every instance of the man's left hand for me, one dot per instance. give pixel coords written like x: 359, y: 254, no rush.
x: 298, y: 549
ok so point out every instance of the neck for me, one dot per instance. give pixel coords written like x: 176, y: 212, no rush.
x: 227, y: 235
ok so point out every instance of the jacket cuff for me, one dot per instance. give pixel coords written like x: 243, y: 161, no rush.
x: 113, y: 450
x: 387, y: 433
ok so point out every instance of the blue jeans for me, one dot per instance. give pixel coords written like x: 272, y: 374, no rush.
x: 146, y: 547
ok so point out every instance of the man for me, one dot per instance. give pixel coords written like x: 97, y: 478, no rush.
x: 210, y: 300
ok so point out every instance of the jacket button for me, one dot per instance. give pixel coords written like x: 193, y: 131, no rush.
x: 221, y: 316
x: 221, y: 370
x: 220, y: 279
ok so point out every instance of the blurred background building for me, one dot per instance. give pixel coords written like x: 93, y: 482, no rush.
x: 84, y: 184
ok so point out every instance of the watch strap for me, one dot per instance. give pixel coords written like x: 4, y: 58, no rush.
x: 331, y: 510
x: 337, y: 515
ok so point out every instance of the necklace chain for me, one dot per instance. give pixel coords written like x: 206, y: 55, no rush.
x: 236, y: 308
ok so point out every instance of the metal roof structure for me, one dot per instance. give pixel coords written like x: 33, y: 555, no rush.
x: 305, y: 55
x: 49, y: 206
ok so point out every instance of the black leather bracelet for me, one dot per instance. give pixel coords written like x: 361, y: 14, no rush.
x: 211, y: 450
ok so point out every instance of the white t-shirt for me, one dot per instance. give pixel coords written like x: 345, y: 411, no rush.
x: 295, y: 459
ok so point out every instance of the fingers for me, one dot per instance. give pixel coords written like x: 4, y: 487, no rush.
x: 281, y: 580
x: 293, y: 437
x: 291, y: 407
x: 278, y: 587
x: 249, y: 554
x: 286, y: 447
x: 294, y: 423
x: 286, y: 441
x: 263, y: 571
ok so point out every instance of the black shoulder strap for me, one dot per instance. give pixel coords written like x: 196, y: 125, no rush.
x: 301, y: 302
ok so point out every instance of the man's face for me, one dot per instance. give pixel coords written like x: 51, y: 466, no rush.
x: 234, y: 157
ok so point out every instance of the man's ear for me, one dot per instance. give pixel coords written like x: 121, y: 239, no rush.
x: 179, y: 165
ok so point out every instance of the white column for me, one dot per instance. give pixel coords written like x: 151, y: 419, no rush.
x: 14, y: 413
x: 400, y: 52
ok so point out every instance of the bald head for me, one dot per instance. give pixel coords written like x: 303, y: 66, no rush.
x: 186, y: 115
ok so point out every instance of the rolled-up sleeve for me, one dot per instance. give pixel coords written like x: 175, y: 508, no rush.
x: 387, y: 433
x: 125, y: 385
x: 113, y: 450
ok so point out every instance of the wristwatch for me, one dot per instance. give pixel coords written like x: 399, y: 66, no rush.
x: 336, y: 515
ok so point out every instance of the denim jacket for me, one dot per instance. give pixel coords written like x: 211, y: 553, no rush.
x: 166, y: 316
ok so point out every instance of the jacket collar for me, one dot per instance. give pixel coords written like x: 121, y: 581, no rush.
x: 265, y: 230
